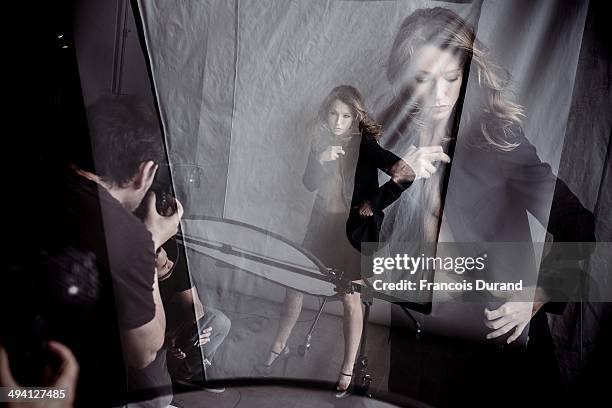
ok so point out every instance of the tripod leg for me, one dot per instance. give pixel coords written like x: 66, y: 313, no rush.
x: 304, y: 348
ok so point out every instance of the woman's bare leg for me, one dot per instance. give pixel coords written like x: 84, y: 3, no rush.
x: 353, y: 325
x: 292, y: 306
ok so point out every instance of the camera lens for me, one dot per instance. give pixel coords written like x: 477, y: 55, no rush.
x: 165, y: 203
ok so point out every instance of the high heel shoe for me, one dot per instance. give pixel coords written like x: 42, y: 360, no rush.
x: 266, y: 369
x: 345, y: 392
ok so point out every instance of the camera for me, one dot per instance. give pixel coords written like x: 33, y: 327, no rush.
x: 165, y: 203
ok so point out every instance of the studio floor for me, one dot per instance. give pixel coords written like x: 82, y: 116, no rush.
x: 270, y: 396
x: 254, y: 325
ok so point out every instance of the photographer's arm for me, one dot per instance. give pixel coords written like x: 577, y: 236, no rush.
x: 142, y: 343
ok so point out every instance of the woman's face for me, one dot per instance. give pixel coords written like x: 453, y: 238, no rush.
x: 435, y: 77
x: 340, y: 118
x: 162, y: 263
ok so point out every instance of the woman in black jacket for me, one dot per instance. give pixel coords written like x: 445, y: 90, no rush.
x: 343, y: 129
x: 331, y: 165
x: 497, y: 179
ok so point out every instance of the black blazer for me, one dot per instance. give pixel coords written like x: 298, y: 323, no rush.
x: 372, y: 157
x: 488, y: 196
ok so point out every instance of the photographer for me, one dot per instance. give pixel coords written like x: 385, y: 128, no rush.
x: 93, y: 271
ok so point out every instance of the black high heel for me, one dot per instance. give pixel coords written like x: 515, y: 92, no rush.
x: 344, y: 393
x: 266, y: 369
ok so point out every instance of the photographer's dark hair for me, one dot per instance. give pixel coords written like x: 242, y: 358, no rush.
x: 124, y: 132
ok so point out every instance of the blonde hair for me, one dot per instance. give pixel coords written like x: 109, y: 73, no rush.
x: 445, y: 29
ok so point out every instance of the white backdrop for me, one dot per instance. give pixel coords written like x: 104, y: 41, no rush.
x: 238, y: 83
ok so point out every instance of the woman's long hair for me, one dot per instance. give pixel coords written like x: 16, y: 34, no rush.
x: 444, y: 29
x: 350, y: 96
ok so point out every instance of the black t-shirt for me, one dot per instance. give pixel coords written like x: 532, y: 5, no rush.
x: 92, y: 277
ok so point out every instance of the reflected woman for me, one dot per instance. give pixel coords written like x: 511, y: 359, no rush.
x: 497, y: 178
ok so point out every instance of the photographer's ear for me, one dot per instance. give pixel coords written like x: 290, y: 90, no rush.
x: 146, y: 175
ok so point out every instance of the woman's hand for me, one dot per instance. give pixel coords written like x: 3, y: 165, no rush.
x: 510, y: 316
x: 421, y: 160
x: 331, y: 153
x: 365, y: 209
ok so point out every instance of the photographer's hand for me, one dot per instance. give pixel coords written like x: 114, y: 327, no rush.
x: 161, y: 228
